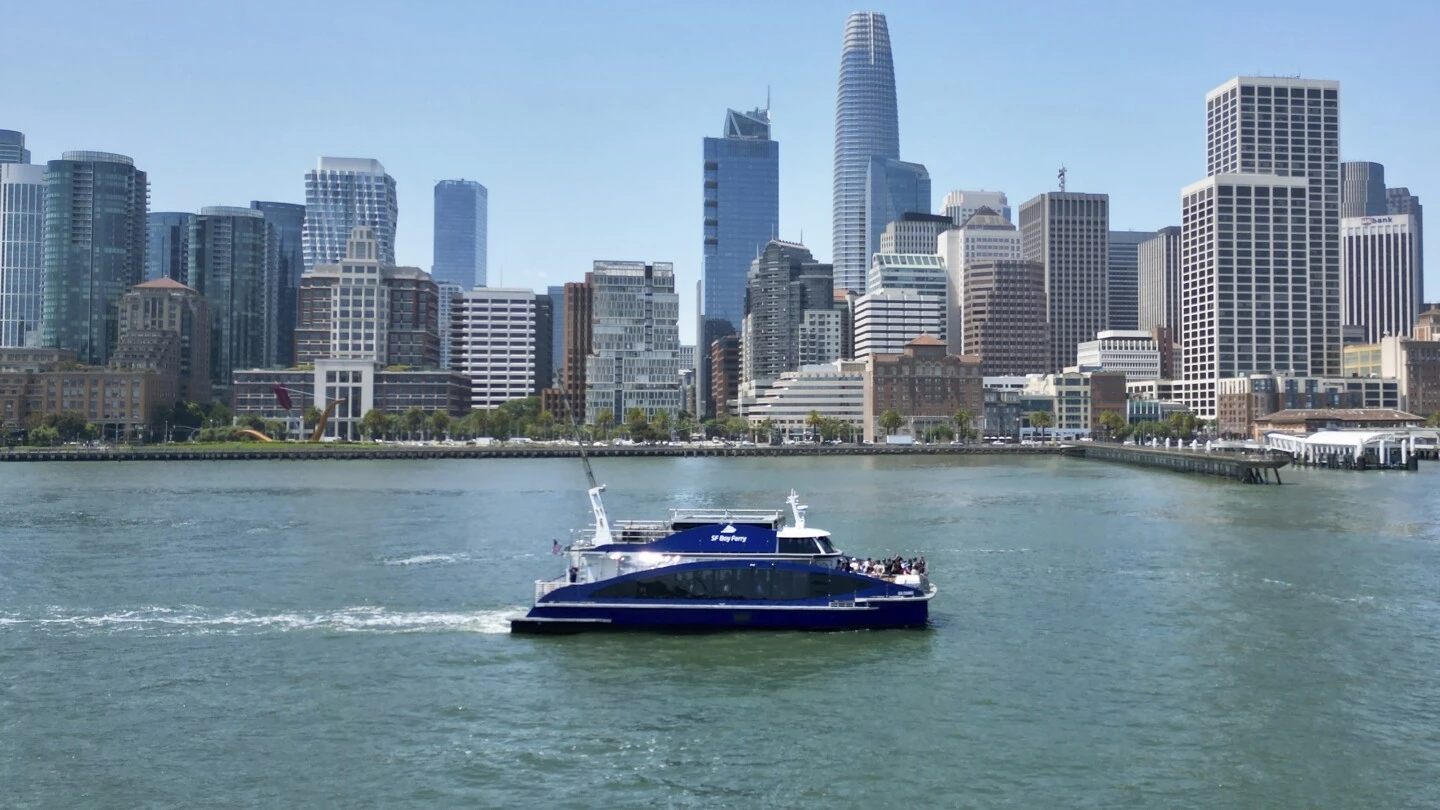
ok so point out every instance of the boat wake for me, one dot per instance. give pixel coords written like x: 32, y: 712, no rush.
x: 427, y: 559
x: 190, y: 620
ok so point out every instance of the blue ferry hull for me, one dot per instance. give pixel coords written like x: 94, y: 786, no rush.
x: 912, y: 613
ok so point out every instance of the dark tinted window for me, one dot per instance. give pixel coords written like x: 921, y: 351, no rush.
x: 797, y: 545
x: 732, y: 584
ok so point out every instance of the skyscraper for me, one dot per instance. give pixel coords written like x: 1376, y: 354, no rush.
x: 232, y: 264
x: 906, y: 298
x: 892, y: 188
x: 1158, y: 275
x: 1124, y: 278
x: 461, y: 223
x: 1382, y: 291
x: 167, y: 245
x: 960, y: 205
x: 983, y: 235
x: 557, y: 334
x: 1068, y: 233
x: 22, y: 253
x: 342, y: 194
x: 12, y: 147
x: 785, y: 284
x: 1401, y: 201
x: 742, y: 209
x: 95, y: 205
x: 741, y: 213
x: 914, y: 232
x: 867, y: 125
x: 1004, y: 316
x: 1362, y: 189
x: 634, y: 359
x: 287, y: 224
x: 178, y: 314
x: 493, y: 344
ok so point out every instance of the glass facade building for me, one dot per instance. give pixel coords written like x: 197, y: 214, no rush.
x: 167, y: 245
x: 342, y: 194
x: 232, y: 264
x: 461, y: 216
x: 742, y: 209
x: 22, y: 253
x: 287, y: 224
x: 892, y: 189
x: 95, y: 206
x: 1123, y: 278
x: 867, y: 125
x: 12, y: 147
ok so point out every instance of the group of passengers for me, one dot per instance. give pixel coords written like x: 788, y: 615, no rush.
x: 885, y: 568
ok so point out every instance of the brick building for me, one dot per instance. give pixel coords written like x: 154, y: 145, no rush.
x: 926, y: 385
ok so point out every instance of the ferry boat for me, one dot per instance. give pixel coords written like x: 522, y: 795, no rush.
x: 717, y: 570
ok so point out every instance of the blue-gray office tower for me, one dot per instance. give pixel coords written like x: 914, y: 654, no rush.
x: 741, y: 215
x: 867, y: 125
x: 288, y: 223
x: 12, y: 147
x: 461, y: 209
x: 167, y: 245
x: 95, y: 206
x: 893, y: 188
x: 557, y: 331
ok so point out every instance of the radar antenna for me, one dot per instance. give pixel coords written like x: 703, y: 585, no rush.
x: 1062, y: 177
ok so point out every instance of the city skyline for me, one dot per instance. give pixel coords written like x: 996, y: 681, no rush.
x: 1141, y: 155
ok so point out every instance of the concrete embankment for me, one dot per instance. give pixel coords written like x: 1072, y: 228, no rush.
x: 1243, y: 467
x: 373, y: 452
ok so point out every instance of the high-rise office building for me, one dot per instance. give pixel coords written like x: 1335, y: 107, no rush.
x: 906, y: 298
x: 960, y: 205
x: 1124, y: 278
x: 493, y: 343
x: 461, y: 227
x: 287, y: 226
x: 1362, y: 189
x: 95, y: 206
x: 447, y: 299
x: 892, y: 188
x: 544, y: 343
x: 12, y: 147
x: 167, y: 245
x: 1068, y: 233
x: 867, y: 125
x: 178, y: 314
x: 1401, y: 201
x: 634, y: 359
x: 1157, y: 262
x: 1004, y: 316
x: 1382, y: 291
x: 914, y: 233
x: 342, y: 194
x: 1299, y: 120
x: 232, y: 264
x: 361, y: 308
x: 785, y: 282
x: 741, y: 213
x: 1244, y: 310
x: 578, y: 342
x: 557, y: 334
x: 22, y: 253
x: 984, y: 234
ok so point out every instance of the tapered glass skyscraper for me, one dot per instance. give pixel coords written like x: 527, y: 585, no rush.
x: 342, y: 194
x: 867, y: 125
x: 461, y: 215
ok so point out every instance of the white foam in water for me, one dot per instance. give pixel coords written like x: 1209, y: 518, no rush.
x: 428, y: 559
x: 191, y: 620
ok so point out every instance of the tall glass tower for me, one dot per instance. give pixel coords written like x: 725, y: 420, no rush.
x: 867, y: 125
x: 12, y: 147
x: 22, y: 252
x: 232, y: 264
x: 893, y: 188
x: 95, y: 205
x: 461, y: 214
x: 287, y: 221
x: 742, y: 209
x: 342, y: 194
x: 167, y: 245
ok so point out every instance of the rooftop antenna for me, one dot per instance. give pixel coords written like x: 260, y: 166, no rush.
x: 767, y: 101
x: 1062, y: 177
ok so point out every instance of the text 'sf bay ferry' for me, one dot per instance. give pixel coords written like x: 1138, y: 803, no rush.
x: 714, y: 570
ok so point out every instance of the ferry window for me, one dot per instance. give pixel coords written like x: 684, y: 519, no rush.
x: 825, y: 545
x: 734, y: 584
x: 797, y: 545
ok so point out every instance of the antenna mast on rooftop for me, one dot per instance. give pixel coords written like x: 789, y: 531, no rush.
x: 1062, y: 177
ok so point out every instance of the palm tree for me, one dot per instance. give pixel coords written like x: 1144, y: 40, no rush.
x: 890, y: 421
x: 439, y: 423
x: 372, y: 424
x: 814, y: 421
x: 414, y: 422
x: 604, y: 420
x: 963, y: 419
x: 1042, y: 420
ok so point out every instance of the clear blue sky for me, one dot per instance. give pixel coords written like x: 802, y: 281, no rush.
x: 584, y: 119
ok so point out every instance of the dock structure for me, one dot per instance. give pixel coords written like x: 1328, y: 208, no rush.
x: 1247, y: 468
x: 1357, y: 449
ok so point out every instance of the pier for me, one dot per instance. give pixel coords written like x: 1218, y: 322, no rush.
x: 1247, y: 468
